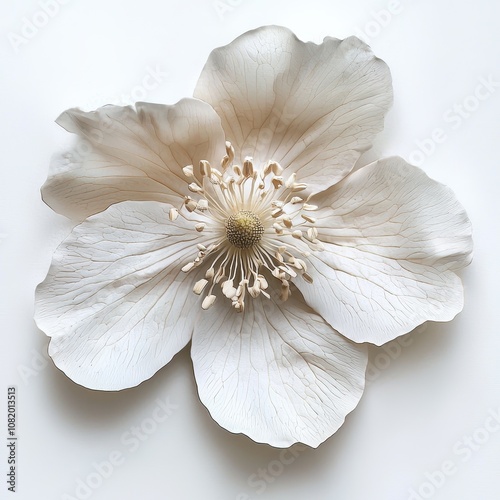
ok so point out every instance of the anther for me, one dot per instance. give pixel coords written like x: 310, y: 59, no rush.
x: 276, y: 168
x: 187, y: 267
x: 199, y: 286
x: 306, y: 206
x: 202, y: 205
x: 205, y: 168
x: 208, y: 301
x: 194, y: 188
x: 277, y: 227
x: 229, y: 157
x: 190, y: 204
x: 173, y: 213
x: 312, y: 220
x: 291, y: 180
x: 312, y: 233
x: 248, y: 167
x: 277, y: 182
x: 188, y: 171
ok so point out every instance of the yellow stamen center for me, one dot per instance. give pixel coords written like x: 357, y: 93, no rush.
x: 244, y: 229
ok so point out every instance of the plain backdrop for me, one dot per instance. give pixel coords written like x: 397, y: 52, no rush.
x: 428, y: 425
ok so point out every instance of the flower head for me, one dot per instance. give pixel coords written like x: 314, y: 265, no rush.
x: 233, y: 220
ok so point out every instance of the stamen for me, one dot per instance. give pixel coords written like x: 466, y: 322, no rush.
x: 276, y: 168
x: 194, y: 188
x: 205, y: 168
x: 279, y: 229
x: 248, y: 208
x: 228, y: 289
x: 290, y: 181
x: 306, y: 206
x: 208, y: 301
x: 187, y: 267
x: 190, y: 204
x: 229, y: 157
x: 199, y: 286
x: 203, y: 205
x: 173, y: 213
x: 312, y: 220
x: 248, y: 167
x: 277, y: 182
x: 188, y: 171
x: 312, y: 233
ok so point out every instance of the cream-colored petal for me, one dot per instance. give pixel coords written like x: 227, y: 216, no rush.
x: 392, y: 238
x: 277, y: 372
x: 371, y: 298
x: 131, y: 154
x: 393, y: 209
x: 115, y: 301
x: 314, y: 108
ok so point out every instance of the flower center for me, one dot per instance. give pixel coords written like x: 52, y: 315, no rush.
x: 244, y: 229
x: 247, y: 212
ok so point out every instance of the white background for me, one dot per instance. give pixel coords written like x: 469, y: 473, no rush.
x: 421, y: 407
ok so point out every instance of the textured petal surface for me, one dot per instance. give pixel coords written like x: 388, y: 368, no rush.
x: 314, y: 108
x: 393, y: 238
x: 277, y: 372
x: 115, y: 301
x: 131, y: 154
x: 393, y: 209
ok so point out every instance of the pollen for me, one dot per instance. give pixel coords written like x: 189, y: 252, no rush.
x: 244, y: 229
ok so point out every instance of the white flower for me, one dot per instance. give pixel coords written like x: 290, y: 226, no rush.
x: 232, y: 220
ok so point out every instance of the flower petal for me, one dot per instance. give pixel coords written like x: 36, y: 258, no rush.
x: 393, y: 209
x: 131, y: 154
x: 115, y: 301
x: 314, y: 108
x: 393, y: 237
x: 277, y: 372
x: 370, y: 298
